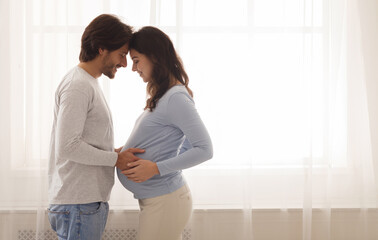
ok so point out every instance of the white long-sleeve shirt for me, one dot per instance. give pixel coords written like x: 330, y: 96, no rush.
x: 174, y: 137
x: 82, y: 157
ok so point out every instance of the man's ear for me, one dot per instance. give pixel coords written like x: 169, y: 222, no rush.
x: 101, y: 51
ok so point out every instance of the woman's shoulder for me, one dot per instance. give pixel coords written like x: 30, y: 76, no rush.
x: 177, y: 91
x: 176, y: 95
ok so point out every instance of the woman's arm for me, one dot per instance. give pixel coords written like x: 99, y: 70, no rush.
x: 181, y: 113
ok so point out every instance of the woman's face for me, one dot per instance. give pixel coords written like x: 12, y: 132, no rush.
x: 142, y: 64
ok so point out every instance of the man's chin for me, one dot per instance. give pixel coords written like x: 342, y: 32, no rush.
x: 109, y: 75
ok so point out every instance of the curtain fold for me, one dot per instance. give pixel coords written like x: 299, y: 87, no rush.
x: 368, y: 12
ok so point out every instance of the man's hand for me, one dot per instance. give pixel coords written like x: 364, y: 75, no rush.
x: 118, y: 150
x: 126, y: 157
x: 141, y: 170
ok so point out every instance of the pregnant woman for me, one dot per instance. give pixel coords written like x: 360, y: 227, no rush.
x: 172, y: 134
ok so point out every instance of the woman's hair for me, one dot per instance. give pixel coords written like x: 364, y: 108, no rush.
x: 157, y: 46
x: 105, y: 31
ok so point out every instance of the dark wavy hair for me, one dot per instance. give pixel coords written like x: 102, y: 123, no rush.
x: 105, y: 31
x: 158, y: 47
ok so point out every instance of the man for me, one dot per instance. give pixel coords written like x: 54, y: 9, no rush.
x: 82, y: 157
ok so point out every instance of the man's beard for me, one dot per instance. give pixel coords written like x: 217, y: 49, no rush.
x: 108, y: 69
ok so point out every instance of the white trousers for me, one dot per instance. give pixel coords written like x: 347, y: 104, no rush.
x: 165, y: 217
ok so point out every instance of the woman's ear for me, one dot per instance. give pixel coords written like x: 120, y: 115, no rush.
x: 153, y: 60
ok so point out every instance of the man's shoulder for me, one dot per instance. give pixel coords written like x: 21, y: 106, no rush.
x: 76, y: 80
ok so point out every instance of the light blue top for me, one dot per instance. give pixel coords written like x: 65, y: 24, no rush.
x: 174, y: 137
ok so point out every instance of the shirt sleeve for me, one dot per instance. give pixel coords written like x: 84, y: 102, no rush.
x: 185, y: 146
x: 181, y: 112
x: 73, y: 108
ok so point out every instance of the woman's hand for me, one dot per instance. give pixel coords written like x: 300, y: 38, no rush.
x: 141, y: 170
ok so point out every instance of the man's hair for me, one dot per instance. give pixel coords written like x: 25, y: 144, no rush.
x: 106, y: 32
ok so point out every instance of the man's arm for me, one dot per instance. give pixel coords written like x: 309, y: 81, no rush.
x: 73, y: 110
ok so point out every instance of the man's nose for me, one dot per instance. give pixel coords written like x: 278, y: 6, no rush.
x: 124, y: 62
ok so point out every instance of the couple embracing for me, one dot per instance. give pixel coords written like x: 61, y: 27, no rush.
x: 167, y: 137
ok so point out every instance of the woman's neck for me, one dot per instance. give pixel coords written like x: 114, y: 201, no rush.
x: 173, y: 81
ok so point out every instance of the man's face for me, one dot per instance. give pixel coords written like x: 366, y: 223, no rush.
x: 113, y: 60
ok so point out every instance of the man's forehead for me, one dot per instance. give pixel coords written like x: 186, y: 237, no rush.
x: 125, y: 47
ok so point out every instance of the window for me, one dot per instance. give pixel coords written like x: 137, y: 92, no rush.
x: 261, y: 77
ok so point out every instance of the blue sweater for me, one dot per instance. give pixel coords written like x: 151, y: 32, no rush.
x: 174, y: 137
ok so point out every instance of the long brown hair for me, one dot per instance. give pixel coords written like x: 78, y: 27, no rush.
x: 158, y: 47
x: 105, y: 31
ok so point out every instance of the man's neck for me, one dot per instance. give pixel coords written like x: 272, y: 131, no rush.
x: 91, y: 67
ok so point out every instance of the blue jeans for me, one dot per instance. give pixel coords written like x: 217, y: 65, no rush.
x: 79, y: 221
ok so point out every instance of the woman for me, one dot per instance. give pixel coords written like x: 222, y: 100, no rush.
x: 172, y: 134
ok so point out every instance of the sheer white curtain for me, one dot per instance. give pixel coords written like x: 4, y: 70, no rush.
x: 287, y: 88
